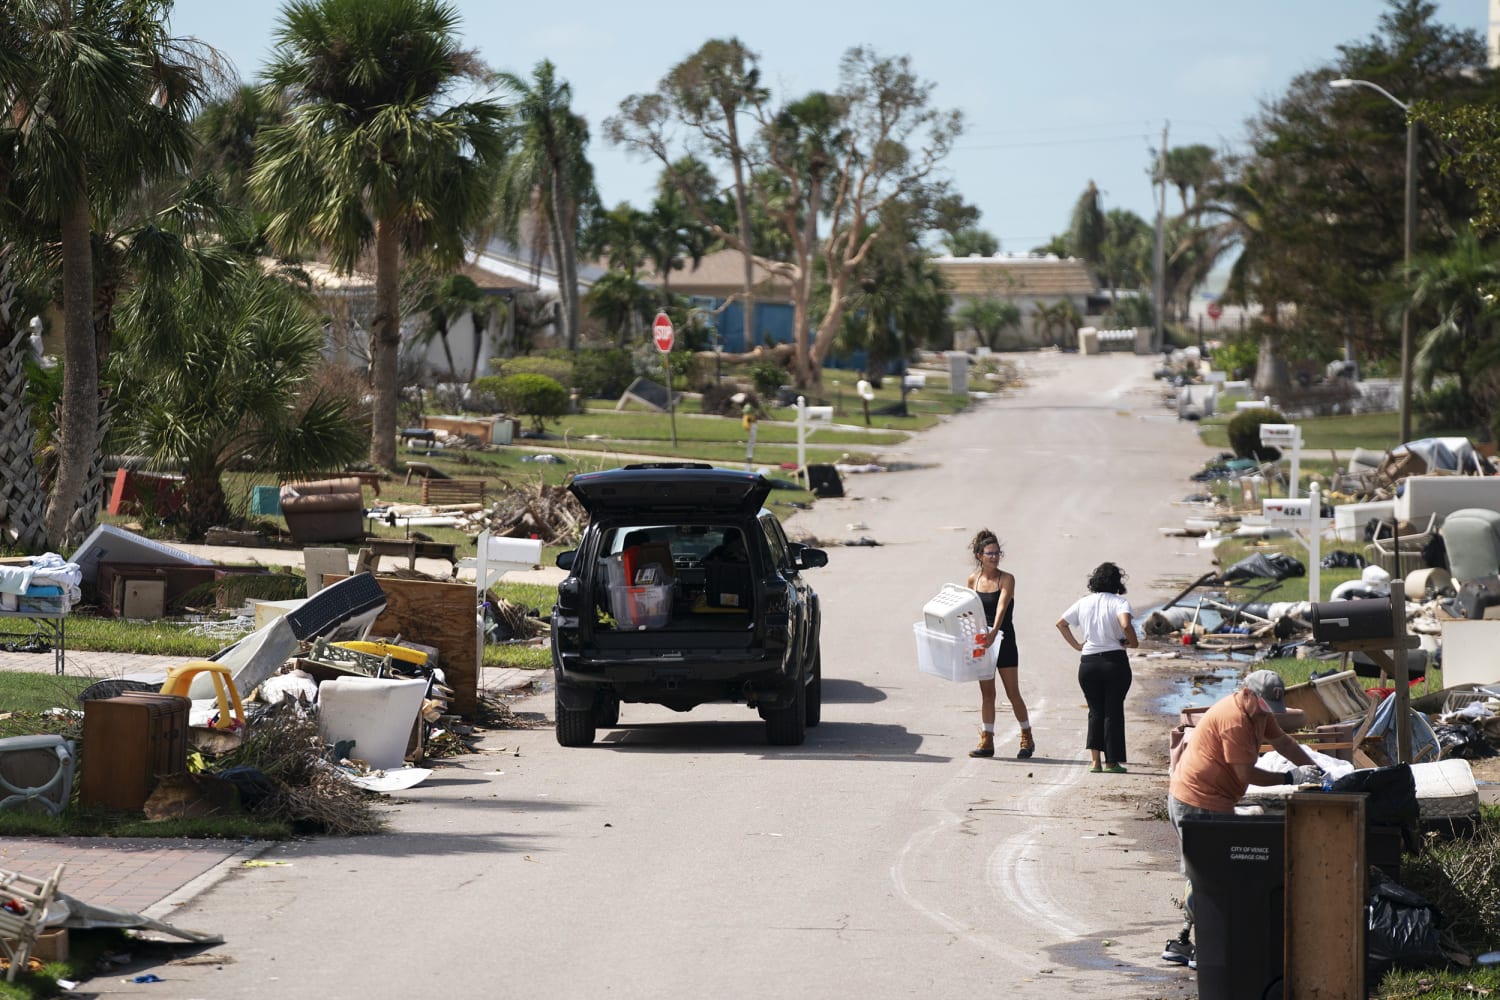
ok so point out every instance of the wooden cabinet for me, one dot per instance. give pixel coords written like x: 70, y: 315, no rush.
x: 130, y: 742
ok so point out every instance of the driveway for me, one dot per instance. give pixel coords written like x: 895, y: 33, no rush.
x: 681, y: 857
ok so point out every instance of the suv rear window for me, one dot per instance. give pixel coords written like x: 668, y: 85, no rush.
x: 706, y: 568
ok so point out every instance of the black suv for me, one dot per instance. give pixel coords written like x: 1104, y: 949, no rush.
x: 683, y: 590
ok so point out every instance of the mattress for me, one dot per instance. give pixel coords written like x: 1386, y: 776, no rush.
x: 1445, y: 791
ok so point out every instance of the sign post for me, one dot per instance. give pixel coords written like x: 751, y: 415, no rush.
x: 1215, y: 310
x: 661, y: 332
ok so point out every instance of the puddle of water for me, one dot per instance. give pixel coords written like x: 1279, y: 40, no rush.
x: 1200, y: 689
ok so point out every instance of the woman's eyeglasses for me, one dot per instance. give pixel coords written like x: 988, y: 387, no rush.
x: 991, y: 554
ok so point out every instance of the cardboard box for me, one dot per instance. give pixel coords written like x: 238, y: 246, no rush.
x: 51, y: 946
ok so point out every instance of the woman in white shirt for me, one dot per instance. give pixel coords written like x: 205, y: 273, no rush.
x: 1104, y: 619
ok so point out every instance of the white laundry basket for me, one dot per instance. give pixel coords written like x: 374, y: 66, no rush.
x: 945, y: 637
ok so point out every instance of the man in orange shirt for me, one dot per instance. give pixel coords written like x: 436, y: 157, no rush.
x: 1219, y: 763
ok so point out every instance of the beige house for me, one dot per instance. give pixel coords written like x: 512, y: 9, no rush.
x: 1028, y: 280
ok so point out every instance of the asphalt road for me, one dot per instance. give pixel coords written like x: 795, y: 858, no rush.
x: 681, y: 857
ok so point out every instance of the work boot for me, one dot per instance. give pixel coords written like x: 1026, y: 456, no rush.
x: 986, y: 747
x: 1028, y: 745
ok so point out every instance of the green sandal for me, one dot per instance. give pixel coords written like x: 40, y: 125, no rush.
x: 1096, y: 770
x: 1115, y: 769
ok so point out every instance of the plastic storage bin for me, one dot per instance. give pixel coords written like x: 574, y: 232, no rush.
x: 953, y: 658
x: 641, y: 607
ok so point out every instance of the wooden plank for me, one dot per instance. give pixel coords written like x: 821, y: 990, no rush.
x: 1325, y: 897
x: 441, y: 615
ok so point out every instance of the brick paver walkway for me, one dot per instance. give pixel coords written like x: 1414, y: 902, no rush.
x: 132, y: 875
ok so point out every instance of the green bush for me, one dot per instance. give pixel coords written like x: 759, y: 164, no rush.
x: 1244, y: 433
x: 767, y: 377
x: 534, y: 396
x: 602, y: 372
x: 1237, y: 356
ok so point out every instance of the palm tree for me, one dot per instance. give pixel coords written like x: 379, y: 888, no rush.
x: 989, y: 318
x: 548, y: 169
x: 1460, y: 288
x: 95, y: 101
x: 371, y: 155
x: 444, y: 301
x: 214, y: 369
x: 1191, y: 168
x: 20, y: 487
x: 673, y: 233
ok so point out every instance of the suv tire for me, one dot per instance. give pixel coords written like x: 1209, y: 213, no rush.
x: 575, y: 726
x: 607, y: 715
x: 787, y: 726
x: 814, y: 695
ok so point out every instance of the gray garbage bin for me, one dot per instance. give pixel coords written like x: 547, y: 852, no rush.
x: 1237, y: 868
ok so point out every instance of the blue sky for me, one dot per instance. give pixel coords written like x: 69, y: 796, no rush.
x: 1055, y: 93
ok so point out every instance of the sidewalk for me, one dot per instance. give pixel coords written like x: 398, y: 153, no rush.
x: 147, y: 875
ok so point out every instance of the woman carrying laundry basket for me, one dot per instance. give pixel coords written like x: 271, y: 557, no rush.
x: 1104, y: 619
x: 997, y: 590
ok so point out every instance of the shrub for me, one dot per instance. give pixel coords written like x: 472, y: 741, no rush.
x: 767, y: 377
x: 602, y: 372
x: 1237, y: 356
x: 1244, y: 433
x: 534, y: 396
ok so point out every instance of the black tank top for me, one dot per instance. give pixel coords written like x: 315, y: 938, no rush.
x: 990, y: 600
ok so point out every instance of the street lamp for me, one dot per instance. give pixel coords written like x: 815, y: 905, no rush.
x: 1411, y: 214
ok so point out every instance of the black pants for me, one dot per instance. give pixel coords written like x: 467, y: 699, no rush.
x: 1105, y: 679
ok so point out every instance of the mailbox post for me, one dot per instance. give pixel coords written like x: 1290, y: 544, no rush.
x: 806, y: 415
x: 1299, y: 516
x: 1286, y: 437
x: 1364, y: 626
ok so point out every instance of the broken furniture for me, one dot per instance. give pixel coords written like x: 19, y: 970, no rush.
x: 130, y: 742
x: 145, y: 591
x: 440, y: 615
x: 180, y: 679
x: 47, y: 626
x: 424, y: 469
x: 1396, y: 554
x: 36, y: 774
x: 492, y: 430
x: 451, y: 492
x: 327, y: 510
x: 1471, y: 537
x: 22, y: 919
x: 412, y: 548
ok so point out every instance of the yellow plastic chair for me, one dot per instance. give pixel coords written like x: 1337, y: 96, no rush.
x: 180, y: 679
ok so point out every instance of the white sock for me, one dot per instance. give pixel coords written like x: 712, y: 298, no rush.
x: 1026, y: 726
x: 988, y: 727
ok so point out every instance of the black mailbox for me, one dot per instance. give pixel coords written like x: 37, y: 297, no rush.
x: 1343, y: 621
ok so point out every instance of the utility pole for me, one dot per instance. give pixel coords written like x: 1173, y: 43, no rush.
x: 1158, y: 257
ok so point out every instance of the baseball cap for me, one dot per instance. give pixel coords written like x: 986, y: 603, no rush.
x: 1270, y: 687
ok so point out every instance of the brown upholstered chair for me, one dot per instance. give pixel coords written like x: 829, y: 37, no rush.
x: 328, y: 510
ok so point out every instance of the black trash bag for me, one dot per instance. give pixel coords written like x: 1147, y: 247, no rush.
x: 254, y: 784
x: 1339, y: 559
x: 1402, y: 929
x: 1435, y: 553
x: 1462, y: 740
x: 1268, y: 565
x: 1392, y: 795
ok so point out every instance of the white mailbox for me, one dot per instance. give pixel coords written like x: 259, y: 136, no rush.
x: 1287, y: 509
x: 1278, y: 434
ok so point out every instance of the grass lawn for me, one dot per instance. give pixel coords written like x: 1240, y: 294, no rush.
x: 1341, y: 433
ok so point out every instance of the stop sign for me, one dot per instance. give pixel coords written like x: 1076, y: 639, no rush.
x: 1215, y: 310
x: 661, y: 331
